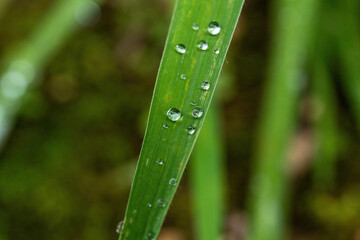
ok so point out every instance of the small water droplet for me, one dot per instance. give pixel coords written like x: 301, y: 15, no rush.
x: 205, y: 85
x: 119, y: 227
x: 180, y: 48
x: 173, y: 181
x: 214, y: 28
x: 202, y: 45
x: 174, y: 114
x: 193, y: 103
x: 217, y: 51
x: 197, y: 112
x: 149, y: 205
x: 160, y: 162
x: 161, y: 203
x: 195, y: 27
x: 191, y: 130
x: 166, y: 126
x: 183, y: 76
x: 150, y: 236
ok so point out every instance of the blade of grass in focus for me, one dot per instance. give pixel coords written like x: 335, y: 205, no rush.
x: 268, y: 200
x: 23, y: 65
x: 207, y: 178
x: 348, y: 38
x: 198, y: 40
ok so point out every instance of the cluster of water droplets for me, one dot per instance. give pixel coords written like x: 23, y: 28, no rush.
x: 213, y: 29
x: 119, y: 227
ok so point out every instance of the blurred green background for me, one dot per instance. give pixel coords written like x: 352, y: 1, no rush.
x: 67, y: 164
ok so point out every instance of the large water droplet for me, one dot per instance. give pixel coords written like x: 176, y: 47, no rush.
x: 183, y: 76
x: 197, y: 112
x: 174, y: 114
x: 119, y: 227
x: 161, y: 203
x: 205, y: 85
x: 160, y: 162
x: 173, y: 181
x: 202, y: 45
x: 195, y: 27
x: 180, y: 48
x: 214, y: 28
x: 191, y: 130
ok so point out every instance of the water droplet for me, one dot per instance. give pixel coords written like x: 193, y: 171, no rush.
x: 214, y: 28
x: 180, y: 48
x: 160, y: 162
x: 191, y: 130
x: 150, y: 236
x: 119, y: 227
x: 217, y: 51
x: 166, y: 126
x: 195, y: 27
x: 183, y: 76
x: 161, y: 203
x: 149, y: 205
x: 174, y: 114
x: 173, y: 181
x: 205, y: 85
x: 202, y: 45
x: 193, y: 103
x: 197, y: 112
x: 87, y: 13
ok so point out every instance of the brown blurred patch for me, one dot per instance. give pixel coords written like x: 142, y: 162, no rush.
x: 171, y: 234
x: 236, y: 226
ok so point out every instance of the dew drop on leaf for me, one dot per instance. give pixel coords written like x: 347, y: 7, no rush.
x: 195, y: 27
x: 183, y: 76
x: 174, y: 114
x: 161, y: 203
x: 217, y: 51
x: 119, y: 227
x: 160, y: 162
x: 205, y: 85
x: 180, y: 48
x: 214, y: 28
x: 197, y: 112
x: 173, y: 181
x: 166, y: 126
x: 190, y: 130
x: 202, y: 45
x: 149, y: 205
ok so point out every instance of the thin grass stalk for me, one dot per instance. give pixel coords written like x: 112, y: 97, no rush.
x: 25, y: 64
x: 188, y: 73
x: 348, y: 38
x: 208, y: 178
x: 270, y: 179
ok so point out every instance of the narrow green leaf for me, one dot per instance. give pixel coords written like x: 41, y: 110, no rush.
x: 207, y: 178
x: 27, y: 62
x: 293, y: 21
x: 186, y: 83
x: 348, y: 38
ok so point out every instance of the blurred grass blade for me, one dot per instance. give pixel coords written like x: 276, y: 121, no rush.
x: 326, y: 135
x: 349, y: 49
x: 269, y: 183
x: 187, y: 77
x: 207, y: 178
x: 25, y: 64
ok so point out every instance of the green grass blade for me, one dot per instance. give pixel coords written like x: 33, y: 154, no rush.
x: 25, y: 64
x: 326, y: 133
x: 155, y: 184
x: 207, y: 178
x: 269, y: 183
x: 348, y: 38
